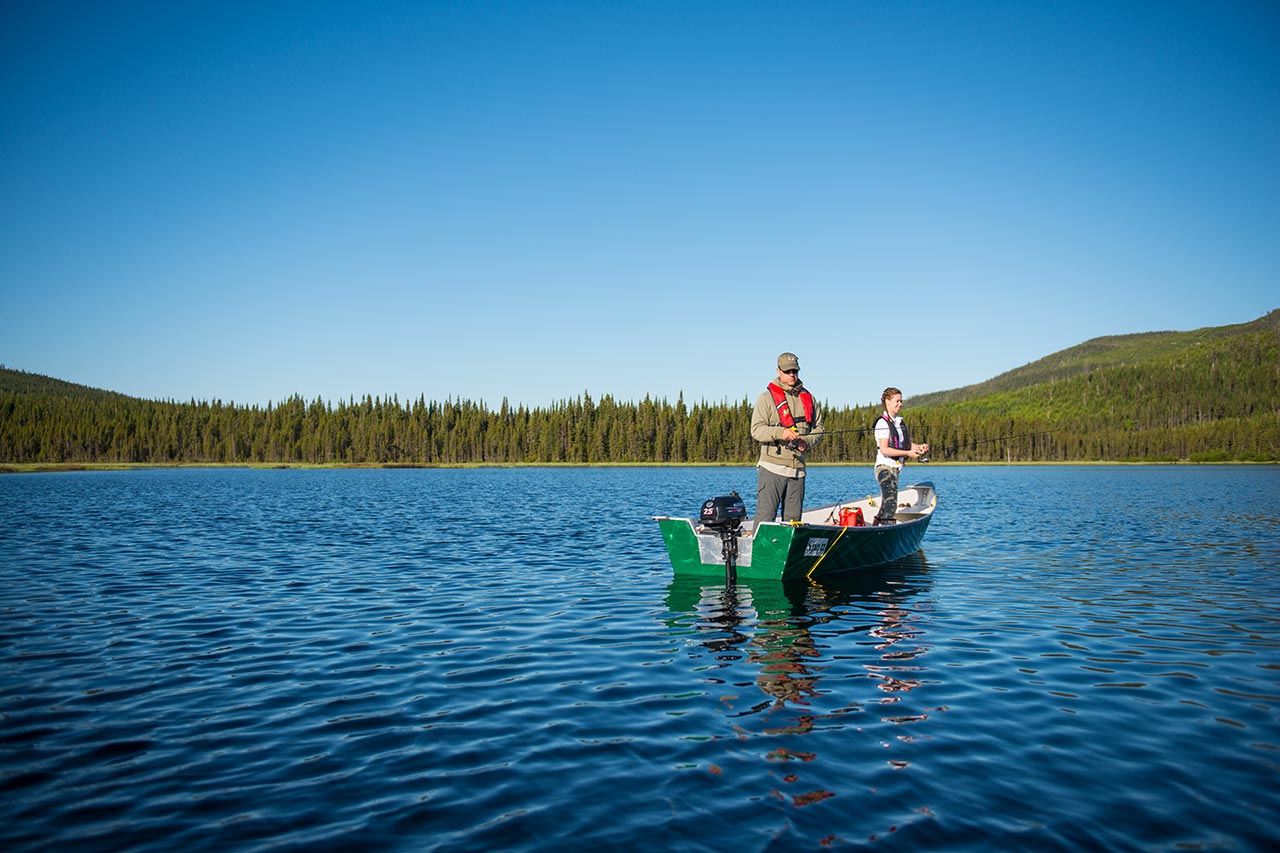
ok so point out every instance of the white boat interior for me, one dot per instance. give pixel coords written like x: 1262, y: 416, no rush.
x: 913, y: 502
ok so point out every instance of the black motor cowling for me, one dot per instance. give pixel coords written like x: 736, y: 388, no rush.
x: 723, y: 513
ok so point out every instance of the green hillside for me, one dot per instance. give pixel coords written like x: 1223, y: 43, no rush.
x: 1111, y: 351
x: 1209, y: 395
x: 21, y: 382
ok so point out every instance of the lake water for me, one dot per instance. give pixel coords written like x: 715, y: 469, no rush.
x: 1079, y: 658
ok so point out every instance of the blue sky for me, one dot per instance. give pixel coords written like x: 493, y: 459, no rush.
x: 533, y: 200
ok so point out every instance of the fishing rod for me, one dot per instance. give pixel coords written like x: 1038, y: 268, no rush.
x: 842, y: 431
x: 945, y: 451
x: 1008, y: 437
x: 794, y: 444
x: 968, y: 444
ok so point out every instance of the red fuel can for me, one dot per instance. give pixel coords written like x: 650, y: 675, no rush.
x: 851, y: 517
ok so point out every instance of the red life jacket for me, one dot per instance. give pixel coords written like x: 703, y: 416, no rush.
x: 784, y: 409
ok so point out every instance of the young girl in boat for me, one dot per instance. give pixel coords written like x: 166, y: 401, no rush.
x: 894, y: 448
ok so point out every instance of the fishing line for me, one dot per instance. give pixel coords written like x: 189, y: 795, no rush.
x: 950, y: 449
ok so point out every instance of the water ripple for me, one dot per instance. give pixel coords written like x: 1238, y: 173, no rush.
x: 460, y: 660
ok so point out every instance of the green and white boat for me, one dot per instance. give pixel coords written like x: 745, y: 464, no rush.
x: 818, y: 544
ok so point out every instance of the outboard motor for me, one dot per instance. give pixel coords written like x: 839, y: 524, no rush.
x: 723, y: 512
x: 724, y: 515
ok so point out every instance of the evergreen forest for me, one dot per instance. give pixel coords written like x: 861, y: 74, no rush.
x: 1210, y: 395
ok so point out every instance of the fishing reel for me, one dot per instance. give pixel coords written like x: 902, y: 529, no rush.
x: 924, y: 457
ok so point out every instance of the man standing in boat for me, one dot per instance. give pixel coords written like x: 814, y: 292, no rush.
x: 785, y: 415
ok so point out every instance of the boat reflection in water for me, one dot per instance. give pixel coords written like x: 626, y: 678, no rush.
x: 820, y: 655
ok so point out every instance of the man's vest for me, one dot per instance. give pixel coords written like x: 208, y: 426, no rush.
x: 784, y: 408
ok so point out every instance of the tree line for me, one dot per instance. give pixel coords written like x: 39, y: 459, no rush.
x: 1215, y: 401
x: 579, y: 431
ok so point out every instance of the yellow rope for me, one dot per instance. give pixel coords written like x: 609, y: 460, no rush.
x: 830, y: 548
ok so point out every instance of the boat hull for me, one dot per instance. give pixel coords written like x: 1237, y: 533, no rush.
x: 809, y: 548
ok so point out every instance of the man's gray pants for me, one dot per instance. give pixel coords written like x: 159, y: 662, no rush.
x: 773, y: 489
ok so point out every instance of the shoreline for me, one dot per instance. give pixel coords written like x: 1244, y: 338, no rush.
x: 66, y: 467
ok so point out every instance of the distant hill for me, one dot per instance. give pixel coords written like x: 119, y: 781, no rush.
x: 1110, y: 351
x: 1209, y: 395
x: 21, y: 382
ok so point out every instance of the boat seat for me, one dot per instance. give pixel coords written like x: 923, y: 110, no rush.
x: 917, y: 508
